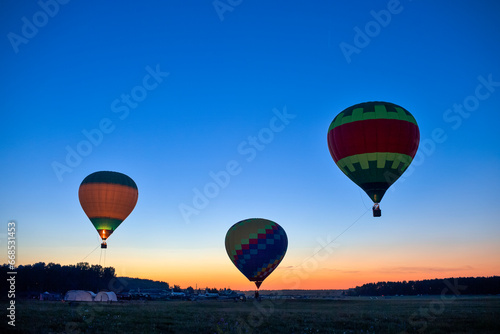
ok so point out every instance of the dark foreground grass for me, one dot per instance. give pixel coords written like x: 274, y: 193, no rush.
x: 412, y: 315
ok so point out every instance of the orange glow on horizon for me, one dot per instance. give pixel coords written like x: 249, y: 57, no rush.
x: 289, y: 281
x: 347, y: 268
x: 204, y: 275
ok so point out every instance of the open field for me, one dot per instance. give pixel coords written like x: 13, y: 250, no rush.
x: 446, y: 314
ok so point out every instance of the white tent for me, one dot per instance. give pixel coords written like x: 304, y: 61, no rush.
x: 79, y: 296
x: 104, y: 296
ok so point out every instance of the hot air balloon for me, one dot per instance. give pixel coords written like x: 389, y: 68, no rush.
x: 256, y: 246
x: 107, y: 198
x: 373, y: 143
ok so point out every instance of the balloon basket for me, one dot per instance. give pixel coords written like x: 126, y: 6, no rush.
x: 377, y: 212
x: 104, y: 245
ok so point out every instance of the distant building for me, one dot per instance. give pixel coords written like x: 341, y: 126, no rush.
x: 50, y: 296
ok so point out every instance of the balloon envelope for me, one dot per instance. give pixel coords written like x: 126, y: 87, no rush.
x: 256, y: 247
x: 373, y: 143
x: 107, y: 198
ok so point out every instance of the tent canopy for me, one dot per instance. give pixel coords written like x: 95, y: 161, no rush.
x: 79, y: 296
x: 105, y: 296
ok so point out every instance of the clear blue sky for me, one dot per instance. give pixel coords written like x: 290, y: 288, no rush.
x: 172, y: 91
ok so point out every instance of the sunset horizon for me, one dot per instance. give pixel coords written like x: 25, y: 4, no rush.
x: 254, y: 146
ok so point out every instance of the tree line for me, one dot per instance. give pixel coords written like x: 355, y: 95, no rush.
x: 461, y: 285
x: 127, y: 283
x: 52, y: 277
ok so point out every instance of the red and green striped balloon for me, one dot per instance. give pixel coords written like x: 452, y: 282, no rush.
x: 373, y: 143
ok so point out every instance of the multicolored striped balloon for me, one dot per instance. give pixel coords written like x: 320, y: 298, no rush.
x: 107, y: 198
x: 373, y: 143
x: 256, y: 247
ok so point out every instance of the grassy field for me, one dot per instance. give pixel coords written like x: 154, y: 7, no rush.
x: 355, y: 315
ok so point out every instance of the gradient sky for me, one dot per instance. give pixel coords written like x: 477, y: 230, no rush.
x: 174, y: 92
